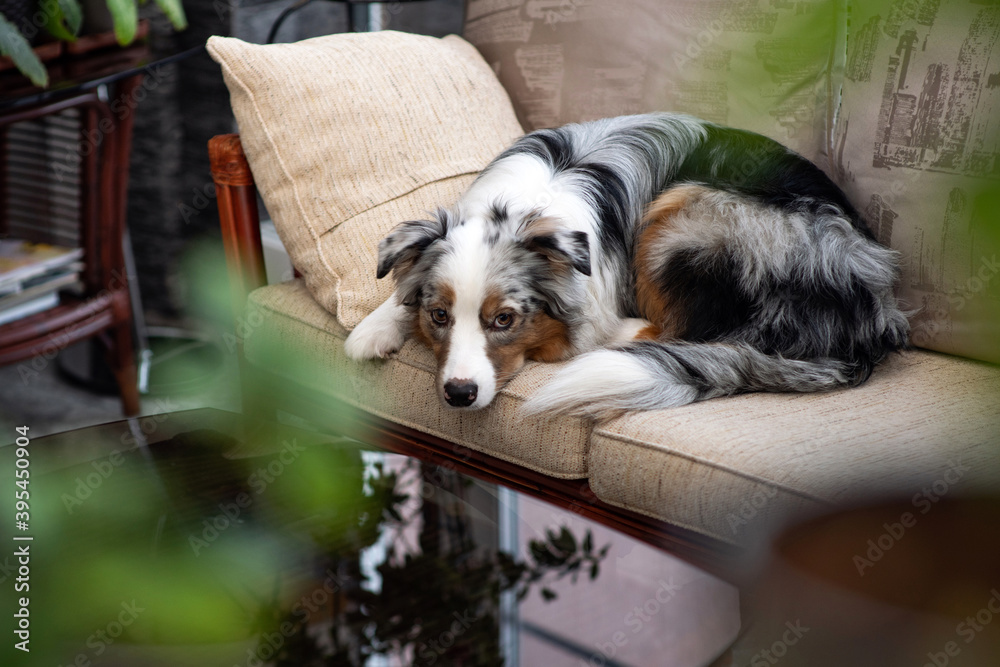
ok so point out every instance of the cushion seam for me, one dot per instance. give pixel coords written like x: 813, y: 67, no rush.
x: 681, y: 524
x: 667, y: 451
x: 392, y: 199
x: 701, y: 530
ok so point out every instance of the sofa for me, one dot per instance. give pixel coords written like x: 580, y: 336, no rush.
x: 345, y: 136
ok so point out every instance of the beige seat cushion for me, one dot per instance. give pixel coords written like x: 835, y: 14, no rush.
x: 351, y: 134
x: 732, y: 467
x: 729, y: 468
x: 288, y: 333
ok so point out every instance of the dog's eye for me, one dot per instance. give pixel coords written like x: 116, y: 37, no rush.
x: 503, y: 320
x: 439, y: 316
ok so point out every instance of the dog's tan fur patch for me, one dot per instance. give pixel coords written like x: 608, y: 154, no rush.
x: 652, y: 332
x: 539, y: 338
x: 548, y: 339
x: 430, y: 334
x: 493, y: 305
x: 667, y: 318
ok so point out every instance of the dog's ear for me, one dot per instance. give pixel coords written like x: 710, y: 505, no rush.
x: 404, y: 244
x: 544, y: 236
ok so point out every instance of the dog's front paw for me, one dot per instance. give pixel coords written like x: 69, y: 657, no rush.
x: 373, y: 342
x: 379, y: 335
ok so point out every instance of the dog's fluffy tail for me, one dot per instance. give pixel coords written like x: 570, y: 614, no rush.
x: 651, y: 375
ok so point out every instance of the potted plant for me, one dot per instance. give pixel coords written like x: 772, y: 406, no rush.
x: 63, y: 19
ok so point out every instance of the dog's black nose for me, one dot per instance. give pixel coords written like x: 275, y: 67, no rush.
x: 460, y: 393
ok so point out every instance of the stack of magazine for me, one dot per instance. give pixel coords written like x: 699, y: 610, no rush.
x: 31, y: 276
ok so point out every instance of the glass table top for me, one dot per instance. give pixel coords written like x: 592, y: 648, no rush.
x: 68, y: 76
x: 186, y: 539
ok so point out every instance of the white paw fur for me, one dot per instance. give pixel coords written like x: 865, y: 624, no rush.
x: 380, y: 334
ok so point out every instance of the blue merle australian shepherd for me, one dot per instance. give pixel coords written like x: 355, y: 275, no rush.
x: 671, y: 259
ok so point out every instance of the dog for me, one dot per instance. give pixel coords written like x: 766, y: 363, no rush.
x: 670, y: 259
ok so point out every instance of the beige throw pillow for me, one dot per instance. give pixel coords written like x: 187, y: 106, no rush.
x: 350, y: 134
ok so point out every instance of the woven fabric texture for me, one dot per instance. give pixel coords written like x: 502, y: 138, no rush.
x: 917, y: 148
x: 758, y: 65
x: 731, y: 467
x: 350, y: 134
x: 291, y: 334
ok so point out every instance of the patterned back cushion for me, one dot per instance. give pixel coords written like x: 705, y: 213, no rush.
x: 757, y: 64
x: 914, y: 140
x: 917, y: 147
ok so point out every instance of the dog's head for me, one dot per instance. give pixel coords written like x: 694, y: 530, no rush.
x: 487, y: 292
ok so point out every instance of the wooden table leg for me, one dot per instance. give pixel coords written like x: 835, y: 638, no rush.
x: 121, y: 354
x: 121, y: 358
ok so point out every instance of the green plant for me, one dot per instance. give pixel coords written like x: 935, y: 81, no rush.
x: 63, y: 19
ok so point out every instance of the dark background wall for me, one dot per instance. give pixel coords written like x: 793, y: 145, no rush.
x: 170, y: 193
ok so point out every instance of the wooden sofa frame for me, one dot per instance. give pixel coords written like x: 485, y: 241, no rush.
x: 269, y: 392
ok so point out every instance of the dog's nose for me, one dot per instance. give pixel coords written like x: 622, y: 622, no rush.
x: 460, y: 393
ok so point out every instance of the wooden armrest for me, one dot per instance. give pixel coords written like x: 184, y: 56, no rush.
x: 238, y: 216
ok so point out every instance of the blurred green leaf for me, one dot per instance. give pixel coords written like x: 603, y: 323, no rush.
x: 175, y: 12
x: 63, y: 18
x: 126, y: 17
x: 566, y: 541
x: 13, y: 44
